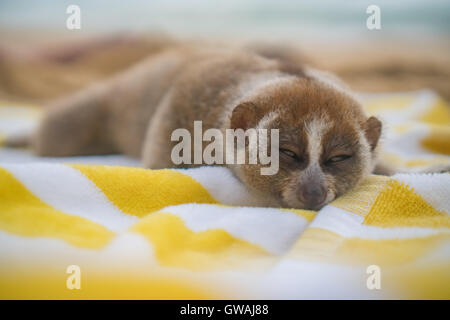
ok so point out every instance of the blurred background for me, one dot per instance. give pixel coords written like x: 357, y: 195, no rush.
x: 41, y: 59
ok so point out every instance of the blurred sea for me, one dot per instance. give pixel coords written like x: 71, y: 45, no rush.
x: 259, y: 19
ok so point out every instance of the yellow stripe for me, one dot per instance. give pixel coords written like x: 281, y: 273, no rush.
x: 359, y: 200
x: 430, y: 281
x: 399, y: 162
x: 140, y: 191
x: 396, y: 102
x: 325, y: 245
x: 177, y: 246
x: 308, y: 215
x: 395, y: 257
x: 389, y: 252
x: 438, y: 140
x: 24, y: 214
x: 398, y: 206
x: 439, y: 113
x: 402, y: 128
x: 51, y: 284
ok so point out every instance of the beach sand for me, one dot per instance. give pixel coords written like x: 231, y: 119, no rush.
x: 367, y: 66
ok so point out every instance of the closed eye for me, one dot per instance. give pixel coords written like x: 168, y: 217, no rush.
x: 290, y: 154
x: 338, y: 158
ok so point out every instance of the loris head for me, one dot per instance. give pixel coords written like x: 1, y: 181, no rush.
x: 327, y: 144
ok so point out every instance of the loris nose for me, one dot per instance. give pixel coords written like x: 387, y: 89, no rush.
x: 313, y: 195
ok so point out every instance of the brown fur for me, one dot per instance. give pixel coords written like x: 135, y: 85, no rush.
x: 136, y: 112
x: 298, y: 103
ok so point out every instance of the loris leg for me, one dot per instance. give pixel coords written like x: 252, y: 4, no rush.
x: 76, y: 125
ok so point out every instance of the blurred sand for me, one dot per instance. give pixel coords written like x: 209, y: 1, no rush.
x: 35, y: 68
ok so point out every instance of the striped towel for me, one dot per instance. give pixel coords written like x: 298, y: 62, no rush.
x: 100, y: 227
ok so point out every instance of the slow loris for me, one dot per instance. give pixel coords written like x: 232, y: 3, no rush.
x: 327, y: 144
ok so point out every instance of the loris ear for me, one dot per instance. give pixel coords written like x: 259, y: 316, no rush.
x: 244, y: 116
x: 372, y: 131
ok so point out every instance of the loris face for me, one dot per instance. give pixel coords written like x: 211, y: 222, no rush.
x: 326, y: 143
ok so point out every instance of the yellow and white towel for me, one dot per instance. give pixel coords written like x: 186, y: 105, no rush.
x: 127, y: 232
